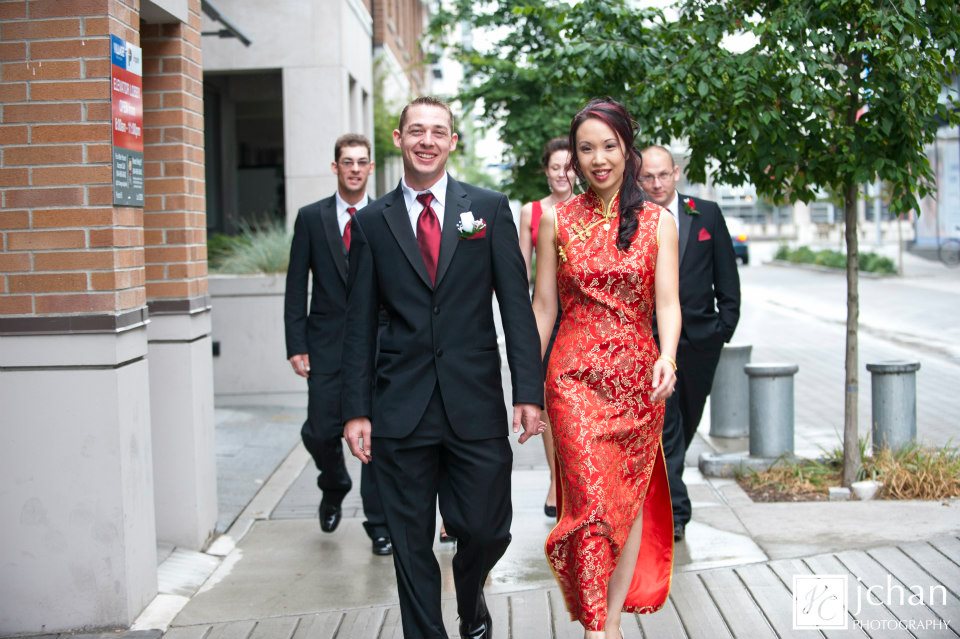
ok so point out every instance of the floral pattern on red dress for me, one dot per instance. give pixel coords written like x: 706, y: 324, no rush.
x: 606, y: 430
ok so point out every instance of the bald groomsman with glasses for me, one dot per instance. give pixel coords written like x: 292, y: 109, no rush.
x: 710, y: 309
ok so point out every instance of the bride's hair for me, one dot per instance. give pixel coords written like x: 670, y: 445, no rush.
x: 615, y: 116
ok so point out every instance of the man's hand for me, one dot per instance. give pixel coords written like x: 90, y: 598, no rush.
x: 527, y: 416
x: 357, y: 433
x: 301, y: 364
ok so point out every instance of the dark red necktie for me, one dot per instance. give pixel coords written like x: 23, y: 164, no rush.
x: 346, y: 229
x: 428, y: 235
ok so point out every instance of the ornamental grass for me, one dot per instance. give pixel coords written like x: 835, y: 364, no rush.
x: 261, y: 248
x: 913, y: 472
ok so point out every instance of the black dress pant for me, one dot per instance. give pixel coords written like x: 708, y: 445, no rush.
x: 684, y: 409
x: 472, y: 481
x: 334, y: 481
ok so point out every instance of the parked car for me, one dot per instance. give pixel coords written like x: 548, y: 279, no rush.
x: 739, y: 236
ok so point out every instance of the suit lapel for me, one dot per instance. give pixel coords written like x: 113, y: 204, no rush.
x: 398, y: 220
x: 328, y: 217
x: 685, y: 225
x: 455, y: 204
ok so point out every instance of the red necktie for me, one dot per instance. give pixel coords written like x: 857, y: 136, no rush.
x: 346, y: 229
x: 428, y: 235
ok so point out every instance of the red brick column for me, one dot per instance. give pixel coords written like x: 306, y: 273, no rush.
x: 175, y: 206
x: 174, y: 222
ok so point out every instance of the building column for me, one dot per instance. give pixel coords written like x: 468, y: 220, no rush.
x: 78, y: 544
x: 180, y: 348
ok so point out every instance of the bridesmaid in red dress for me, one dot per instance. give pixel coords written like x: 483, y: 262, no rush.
x: 612, y: 255
x: 560, y: 177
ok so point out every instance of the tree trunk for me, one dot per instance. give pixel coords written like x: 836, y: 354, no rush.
x: 851, y: 442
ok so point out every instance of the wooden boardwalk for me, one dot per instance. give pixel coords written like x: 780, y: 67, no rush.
x: 747, y: 602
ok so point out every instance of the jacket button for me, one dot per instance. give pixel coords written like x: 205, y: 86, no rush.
x: 436, y: 310
x: 439, y: 352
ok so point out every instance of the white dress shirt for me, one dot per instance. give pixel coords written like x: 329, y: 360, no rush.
x: 414, y: 208
x: 674, y: 209
x: 343, y: 218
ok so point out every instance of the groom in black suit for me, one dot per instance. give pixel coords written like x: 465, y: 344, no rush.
x: 709, y: 304
x: 321, y: 237
x: 427, y: 408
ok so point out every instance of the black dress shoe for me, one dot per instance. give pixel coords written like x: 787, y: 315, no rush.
x: 550, y: 511
x: 483, y: 631
x: 678, y: 532
x: 382, y: 546
x: 329, y: 516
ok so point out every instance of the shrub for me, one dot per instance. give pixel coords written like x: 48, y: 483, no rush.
x: 873, y: 263
x: 258, y: 249
x: 831, y: 259
x: 802, y: 255
x: 869, y: 262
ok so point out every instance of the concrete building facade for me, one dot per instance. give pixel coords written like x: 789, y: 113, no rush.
x: 275, y: 108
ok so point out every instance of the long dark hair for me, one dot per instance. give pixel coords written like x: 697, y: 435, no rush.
x: 615, y: 116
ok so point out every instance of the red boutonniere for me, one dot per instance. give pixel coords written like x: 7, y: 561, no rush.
x: 690, y: 206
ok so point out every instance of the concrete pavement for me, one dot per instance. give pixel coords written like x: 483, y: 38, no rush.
x: 274, y: 574
x: 284, y: 568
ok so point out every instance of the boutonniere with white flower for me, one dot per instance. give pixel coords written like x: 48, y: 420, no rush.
x: 690, y: 206
x: 470, y: 228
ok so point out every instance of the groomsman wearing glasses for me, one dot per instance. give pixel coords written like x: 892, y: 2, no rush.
x: 321, y: 242
x: 709, y: 304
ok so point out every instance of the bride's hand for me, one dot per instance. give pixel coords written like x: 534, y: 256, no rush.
x: 664, y: 380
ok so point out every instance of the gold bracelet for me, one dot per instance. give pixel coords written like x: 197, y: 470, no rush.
x: 670, y: 361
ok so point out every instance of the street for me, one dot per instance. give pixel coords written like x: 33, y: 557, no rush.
x: 797, y: 316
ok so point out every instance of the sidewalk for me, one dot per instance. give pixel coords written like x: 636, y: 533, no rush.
x: 278, y: 576
x: 274, y: 574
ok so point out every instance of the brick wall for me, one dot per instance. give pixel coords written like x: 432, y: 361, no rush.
x: 64, y: 249
x: 175, y: 207
x: 398, y: 25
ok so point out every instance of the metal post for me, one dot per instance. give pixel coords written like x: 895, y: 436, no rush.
x: 893, y: 388
x: 730, y: 395
x: 771, y: 409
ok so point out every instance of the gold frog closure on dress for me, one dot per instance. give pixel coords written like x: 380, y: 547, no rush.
x: 582, y: 229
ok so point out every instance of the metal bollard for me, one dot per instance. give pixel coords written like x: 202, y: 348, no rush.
x: 771, y: 409
x: 893, y: 388
x: 730, y: 394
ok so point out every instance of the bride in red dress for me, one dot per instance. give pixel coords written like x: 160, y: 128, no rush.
x: 612, y: 255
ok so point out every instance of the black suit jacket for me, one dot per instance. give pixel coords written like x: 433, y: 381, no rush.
x: 317, y: 247
x: 709, y: 281
x: 437, y: 334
